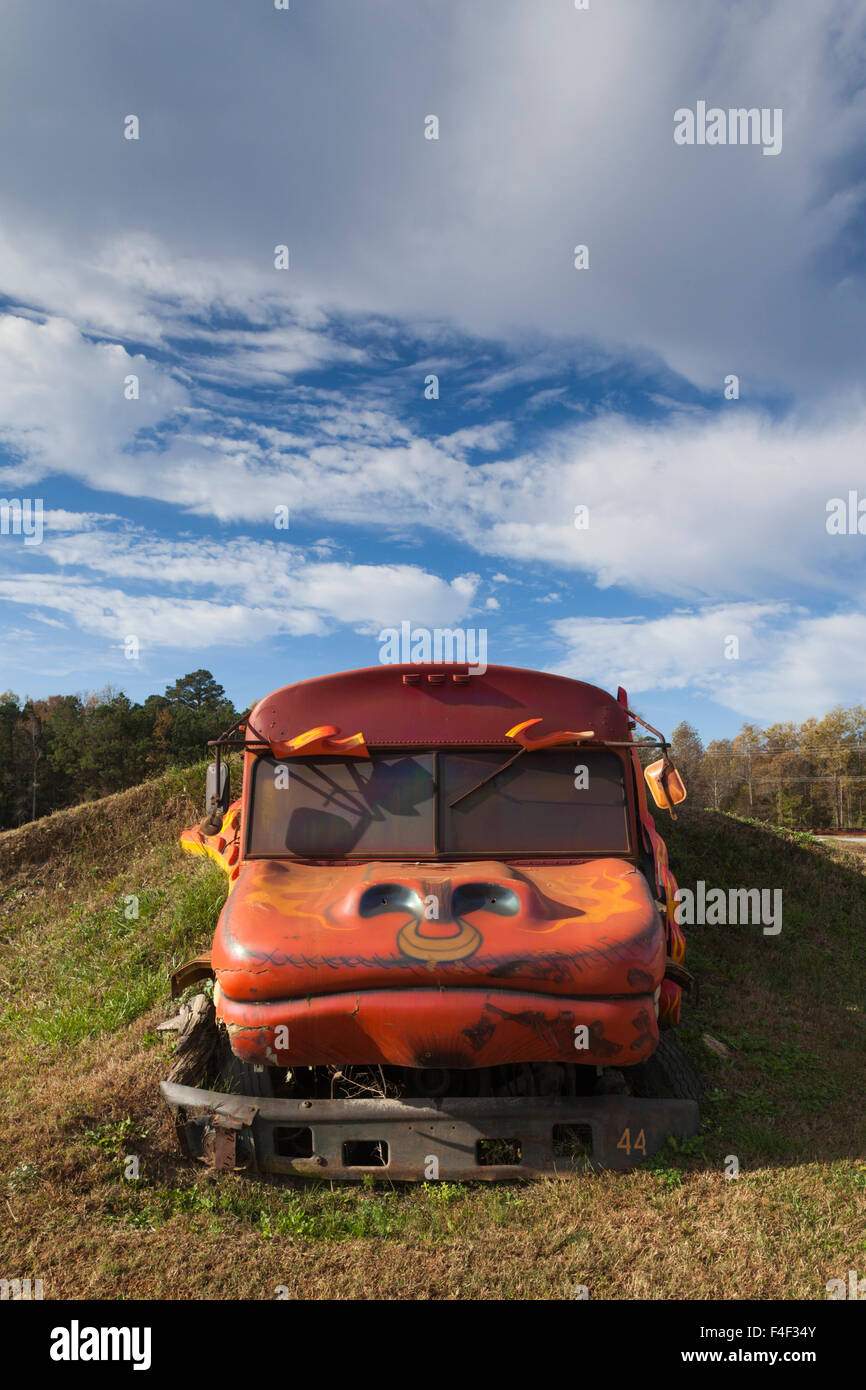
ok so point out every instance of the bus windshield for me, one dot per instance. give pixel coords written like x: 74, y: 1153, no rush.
x: 399, y: 805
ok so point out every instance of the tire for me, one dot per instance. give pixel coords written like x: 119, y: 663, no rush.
x: 239, y: 1077
x: 668, y: 1073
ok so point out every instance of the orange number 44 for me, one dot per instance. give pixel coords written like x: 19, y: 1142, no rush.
x: 639, y: 1144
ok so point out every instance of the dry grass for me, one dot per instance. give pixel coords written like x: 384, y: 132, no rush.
x: 80, y: 1096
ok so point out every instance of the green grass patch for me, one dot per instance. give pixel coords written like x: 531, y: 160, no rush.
x: 94, y: 971
x: 311, y: 1212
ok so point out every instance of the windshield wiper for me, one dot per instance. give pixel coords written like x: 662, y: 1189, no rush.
x: 489, y: 778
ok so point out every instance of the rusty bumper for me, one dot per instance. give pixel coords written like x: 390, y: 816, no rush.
x: 486, y: 1139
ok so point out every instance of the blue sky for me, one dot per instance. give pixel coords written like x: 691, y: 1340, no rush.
x: 604, y: 387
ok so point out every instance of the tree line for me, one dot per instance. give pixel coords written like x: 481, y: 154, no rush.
x: 809, y: 776
x: 70, y: 748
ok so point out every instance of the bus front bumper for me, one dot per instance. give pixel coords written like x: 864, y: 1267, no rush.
x: 413, y: 1140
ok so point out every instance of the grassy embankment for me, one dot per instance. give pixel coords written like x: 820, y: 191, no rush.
x: 83, y: 985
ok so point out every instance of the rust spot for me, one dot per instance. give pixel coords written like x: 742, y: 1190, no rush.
x: 544, y: 969
x: 543, y: 1027
x: 644, y: 1026
x: 479, y: 1034
x: 640, y: 979
x: 599, y: 1044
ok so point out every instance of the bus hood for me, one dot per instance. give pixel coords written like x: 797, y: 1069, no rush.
x: 295, y: 931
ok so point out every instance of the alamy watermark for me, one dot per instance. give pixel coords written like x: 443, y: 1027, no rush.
x: 854, y: 1289
x: 739, y: 125
x: 736, y: 907
x: 22, y: 516
x: 21, y: 1290
x: 77, y: 1343
x: 408, y: 646
x: 847, y: 516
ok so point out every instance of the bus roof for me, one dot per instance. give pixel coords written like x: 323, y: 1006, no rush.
x: 435, y: 704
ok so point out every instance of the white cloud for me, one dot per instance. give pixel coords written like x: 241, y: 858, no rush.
x: 58, y: 519
x: 692, y: 507
x: 265, y: 357
x: 156, y: 621
x: 474, y: 230
x: 556, y: 128
x: 791, y: 664
x: 64, y: 407
x: 239, y: 591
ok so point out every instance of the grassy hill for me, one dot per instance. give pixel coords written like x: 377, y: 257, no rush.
x: 84, y: 981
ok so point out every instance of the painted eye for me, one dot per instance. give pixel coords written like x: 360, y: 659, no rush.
x: 394, y: 896
x: 474, y: 897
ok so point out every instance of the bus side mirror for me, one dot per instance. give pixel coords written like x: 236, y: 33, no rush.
x: 667, y: 788
x: 217, y: 792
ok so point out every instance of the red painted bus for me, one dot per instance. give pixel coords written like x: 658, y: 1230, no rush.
x: 449, y: 946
